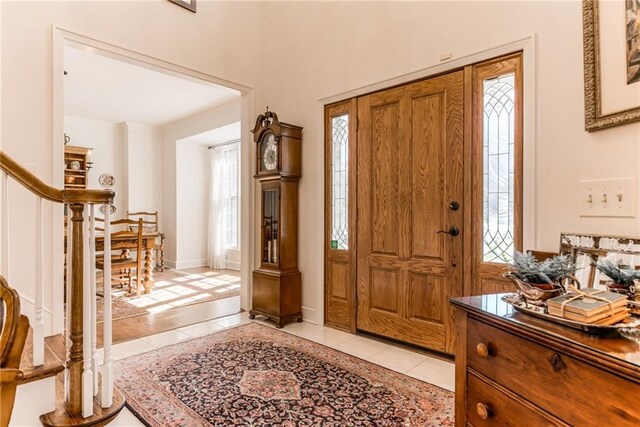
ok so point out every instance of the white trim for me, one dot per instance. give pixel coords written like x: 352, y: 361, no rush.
x: 230, y: 265
x: 310, y: 315
x: 530, y: 132
x: 189, y: 263
x: 61, y: 36
x: 247, y: 194
x: 57, y: 179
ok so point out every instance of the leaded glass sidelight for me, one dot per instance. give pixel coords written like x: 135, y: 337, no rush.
x: 339, y: 179
x: 498, y: 169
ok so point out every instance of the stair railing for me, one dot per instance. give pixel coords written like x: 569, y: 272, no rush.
x: 81, y: 378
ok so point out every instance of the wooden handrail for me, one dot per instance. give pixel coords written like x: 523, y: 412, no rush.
x: 38, y: 187
x: 80, y: 287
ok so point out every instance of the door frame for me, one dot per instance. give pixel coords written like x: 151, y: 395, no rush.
x: 61, y: 37
x: 530, y: 131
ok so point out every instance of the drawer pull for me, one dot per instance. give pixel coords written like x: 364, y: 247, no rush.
x: 483, y: 411
x: 556, y: 362
x: 483, y: 350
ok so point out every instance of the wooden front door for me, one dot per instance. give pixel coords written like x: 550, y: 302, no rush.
x: 409, y: 172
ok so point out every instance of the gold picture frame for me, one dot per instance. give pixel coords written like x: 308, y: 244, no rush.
x: 187, y: 4
x: 594, y: 118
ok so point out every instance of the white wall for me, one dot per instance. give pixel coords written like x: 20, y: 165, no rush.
x: 326, y: 48
x: 192, y: 197
x: 220, y: 40
x: 144, y: 164
x: 174, y: 220
x: 341, y: 46
x: 107, y: 141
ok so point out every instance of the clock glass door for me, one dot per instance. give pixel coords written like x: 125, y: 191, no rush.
x: 270, y: 225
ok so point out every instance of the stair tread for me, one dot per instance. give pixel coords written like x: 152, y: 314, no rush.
x: 101, y: 416
x: 52, y: 362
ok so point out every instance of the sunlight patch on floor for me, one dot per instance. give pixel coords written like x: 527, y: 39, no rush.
x: 182, y: 288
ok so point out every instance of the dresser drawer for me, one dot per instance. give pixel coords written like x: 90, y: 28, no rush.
x: 574, y: 391
x: 488, y: 406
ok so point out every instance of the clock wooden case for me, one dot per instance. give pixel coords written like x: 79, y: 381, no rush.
x: 277, y: 291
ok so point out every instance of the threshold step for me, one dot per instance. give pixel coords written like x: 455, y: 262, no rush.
x: 53, y: 364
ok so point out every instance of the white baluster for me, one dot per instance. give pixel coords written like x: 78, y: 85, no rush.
x: 38, y: 326
x: 107, y: 367
x: 87, y: 374
x: 5, y: 227
x: 92, y: 269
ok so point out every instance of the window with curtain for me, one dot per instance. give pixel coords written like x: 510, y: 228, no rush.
x: 231, y: 195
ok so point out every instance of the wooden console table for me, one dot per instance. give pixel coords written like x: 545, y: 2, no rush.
x: 514, y: 369
x: 126, y: 243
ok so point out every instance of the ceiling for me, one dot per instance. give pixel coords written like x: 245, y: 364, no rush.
x: 216, y: 136
x: 101, y: 88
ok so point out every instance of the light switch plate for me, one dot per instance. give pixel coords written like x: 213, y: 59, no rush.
x: 608, y: 197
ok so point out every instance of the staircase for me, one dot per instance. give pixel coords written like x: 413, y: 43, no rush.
x: 62, y: 383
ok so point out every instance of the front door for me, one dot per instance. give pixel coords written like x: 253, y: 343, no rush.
x: 409, y: 210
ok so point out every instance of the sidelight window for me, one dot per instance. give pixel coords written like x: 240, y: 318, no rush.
x: 498, y: 169
x: 339, y: 180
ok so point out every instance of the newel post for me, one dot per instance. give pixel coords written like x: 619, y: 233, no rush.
x: 75, y: 356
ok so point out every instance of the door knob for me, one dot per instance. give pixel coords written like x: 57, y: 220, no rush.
x: 454, y: 206
x: 453, y: 231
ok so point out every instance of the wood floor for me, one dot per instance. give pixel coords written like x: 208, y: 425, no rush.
x: 178, y: 317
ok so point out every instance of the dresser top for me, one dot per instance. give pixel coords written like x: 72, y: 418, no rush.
x: 617, y: 350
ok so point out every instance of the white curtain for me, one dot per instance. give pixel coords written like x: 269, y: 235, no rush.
x: 217, y: 244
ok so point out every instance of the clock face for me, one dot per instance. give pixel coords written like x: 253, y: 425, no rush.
x: 269, y: 152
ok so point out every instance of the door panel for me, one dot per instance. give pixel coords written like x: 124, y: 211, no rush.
x: 427, y: 185
x: 384, y: 290
x: 385, y: 178
x: 410, y: 143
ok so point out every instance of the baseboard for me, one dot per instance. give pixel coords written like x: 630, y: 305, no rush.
x: 169, y: 263
x: 310, y: 315
x: 190, y: 263
x: 232, y: 265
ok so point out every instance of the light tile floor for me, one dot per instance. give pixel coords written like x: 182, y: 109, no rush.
x: 423, y: 367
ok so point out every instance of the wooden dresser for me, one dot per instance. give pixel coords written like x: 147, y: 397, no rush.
x: 513, y: 369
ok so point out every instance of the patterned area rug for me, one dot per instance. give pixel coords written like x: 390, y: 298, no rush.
x: 253, y: 375
x: 172, y: 289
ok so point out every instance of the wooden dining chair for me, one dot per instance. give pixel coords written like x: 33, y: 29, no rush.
x: 126, y: 263
x: 13, y: 334
x: 151, y: 225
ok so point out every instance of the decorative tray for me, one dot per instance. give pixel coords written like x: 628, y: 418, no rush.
x: 541, y: 312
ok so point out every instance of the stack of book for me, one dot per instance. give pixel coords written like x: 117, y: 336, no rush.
x: 591, y: 306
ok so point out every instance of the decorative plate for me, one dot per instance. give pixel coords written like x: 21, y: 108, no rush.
x: 541, y: 312
x: 113, y: 209
x: 106, y: 180
x: 74, y: 165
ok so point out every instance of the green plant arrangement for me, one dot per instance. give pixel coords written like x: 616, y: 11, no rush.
x: 538, y: 281
x: 620, y: 276
x: 550, y: 271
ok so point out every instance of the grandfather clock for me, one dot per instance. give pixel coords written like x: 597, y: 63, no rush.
x: 276, y: 284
